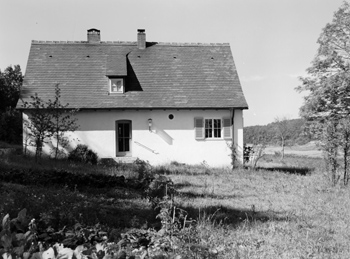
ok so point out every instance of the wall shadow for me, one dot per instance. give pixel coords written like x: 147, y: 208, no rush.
x: 163, y: 135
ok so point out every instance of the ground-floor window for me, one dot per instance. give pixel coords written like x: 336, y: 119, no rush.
x: 212, y: 128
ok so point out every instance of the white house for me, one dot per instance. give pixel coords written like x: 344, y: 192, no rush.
x: 159, y: 102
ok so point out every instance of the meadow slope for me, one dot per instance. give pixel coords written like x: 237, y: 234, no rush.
x: 287, y: 210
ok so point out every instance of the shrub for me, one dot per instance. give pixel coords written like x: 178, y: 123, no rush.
x: 234, y: 161
x: 11, y: 126
x: 143, y: 168
x: 82, y: 153
x: 160, y: 187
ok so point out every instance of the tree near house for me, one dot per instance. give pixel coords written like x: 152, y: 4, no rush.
x: 326, y: 106
x: 256, y: 149
x: 49, y: 120
x: 63, y: 121
x: 38, y: 126
x: 282, y: 129
x: 10, y: 119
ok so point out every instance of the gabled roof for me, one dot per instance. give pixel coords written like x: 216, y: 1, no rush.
x: 160, y: 76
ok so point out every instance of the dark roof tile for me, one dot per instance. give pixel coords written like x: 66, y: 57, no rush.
x: 164, y: 75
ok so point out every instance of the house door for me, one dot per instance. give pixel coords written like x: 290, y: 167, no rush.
x: 123, y: 137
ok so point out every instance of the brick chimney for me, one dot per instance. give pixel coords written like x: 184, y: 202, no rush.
x: 93, y: 36
x: 141, y: 39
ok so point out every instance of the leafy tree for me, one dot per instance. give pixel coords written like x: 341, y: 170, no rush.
x: 10, y: 119
x: 283, y: 130
x: 345, y: 146
x: 39, y: 123
x: 62, y: 121
x: 46, y: 120
x: 328, y: 87
x: 10, y: 84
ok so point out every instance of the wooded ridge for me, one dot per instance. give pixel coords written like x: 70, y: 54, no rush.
x: 269, y: 134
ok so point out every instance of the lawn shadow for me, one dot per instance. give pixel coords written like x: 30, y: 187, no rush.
x: 232, y: 216
x: 128, y: 214
x: 60, y: 207
x: 140, y: 217
x: 185, y: 184
x: 289, y: 170
x: 193, y: 195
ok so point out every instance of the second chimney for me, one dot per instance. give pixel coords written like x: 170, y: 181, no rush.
x: 141, y: 39
x: 93, y: 36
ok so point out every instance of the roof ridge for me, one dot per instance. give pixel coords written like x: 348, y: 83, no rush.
x: 179, y: 44
x: 84, y: 42
x: 185, y: 44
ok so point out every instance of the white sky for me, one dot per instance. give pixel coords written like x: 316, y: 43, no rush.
x: 272, y: 41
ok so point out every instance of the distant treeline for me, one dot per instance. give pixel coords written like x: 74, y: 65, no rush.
x: 269, y: 133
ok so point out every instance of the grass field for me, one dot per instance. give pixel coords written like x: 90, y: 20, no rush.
x: 309, y: 150
x: 270, y: 214
x: 286, y: 210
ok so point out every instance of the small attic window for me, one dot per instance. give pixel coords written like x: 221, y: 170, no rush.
x: 116, y: 85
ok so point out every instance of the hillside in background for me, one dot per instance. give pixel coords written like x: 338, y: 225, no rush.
x: 269, y: 133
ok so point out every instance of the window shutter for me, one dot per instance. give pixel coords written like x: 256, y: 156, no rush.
x: 227, y: 126
x: 199, y: 128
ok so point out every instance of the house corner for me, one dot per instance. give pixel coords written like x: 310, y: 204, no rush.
x: 238, y: 134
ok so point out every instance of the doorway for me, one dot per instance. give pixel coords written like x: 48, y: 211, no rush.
x: 123, y: 137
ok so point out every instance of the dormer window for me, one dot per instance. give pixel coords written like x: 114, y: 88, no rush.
x: 116, y: 85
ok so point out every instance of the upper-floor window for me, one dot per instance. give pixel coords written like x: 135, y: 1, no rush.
x: 116, y: 85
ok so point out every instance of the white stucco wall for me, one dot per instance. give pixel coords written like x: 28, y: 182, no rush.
x: 170, y: 140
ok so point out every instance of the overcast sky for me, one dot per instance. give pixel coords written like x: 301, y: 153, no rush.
x: 272, y: 41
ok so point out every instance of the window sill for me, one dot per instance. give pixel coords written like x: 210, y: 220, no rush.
x: 116, y: 93
x: 212, y: 139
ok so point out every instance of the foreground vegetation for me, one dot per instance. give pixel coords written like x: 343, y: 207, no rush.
x: 287, y: 210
